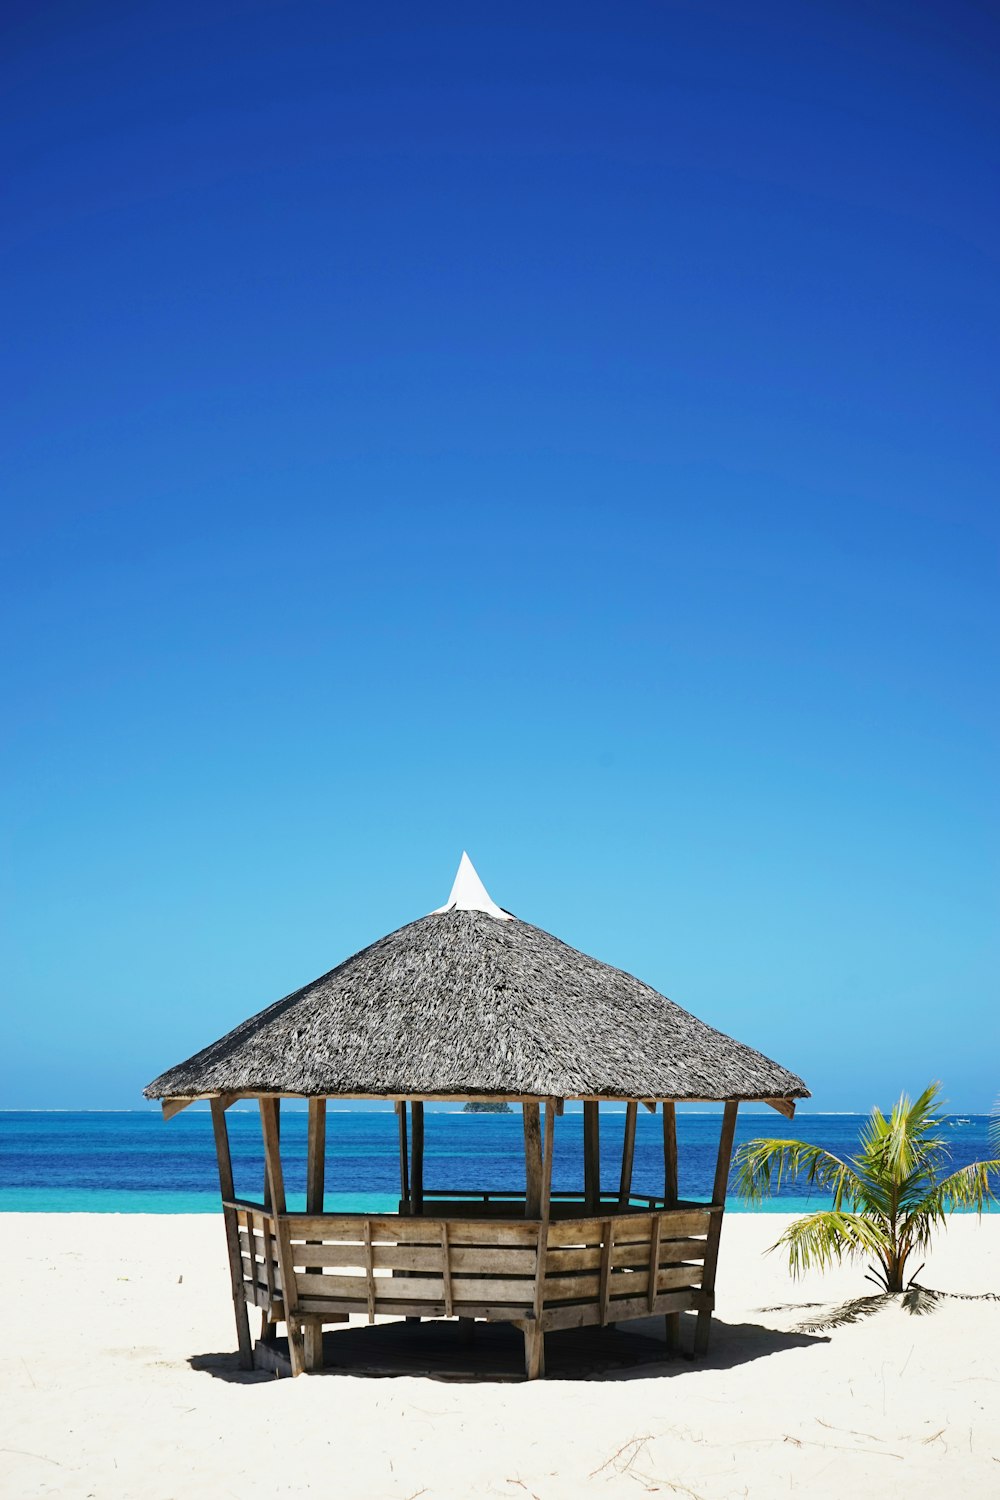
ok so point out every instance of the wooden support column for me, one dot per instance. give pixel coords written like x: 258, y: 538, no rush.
x: 669, y: 1153
x: 670, y: 1195
x: 417, y: 1157
x: 276, y: 1183
x: 534, y: 1337
x: 315, y: 1191
x: 628, y: 1154
x: 268, y: 1324
x: 227, y: 1191
x: 726, y: 1135
x: 277, y: 1126
x: 404, y: 1165
x: 591, y: 1155
x: 532, y: 1161
x: 316, y: 1157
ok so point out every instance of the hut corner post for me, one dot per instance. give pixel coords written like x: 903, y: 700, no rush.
x: 276, y: 1183
x: 534, y: 1336
x: 315, y: 1191
x: 592, y: 1155
x: 227, y: 1193
x: 533, y: 1170
x: 670, y: 1195
x: 704, y: 1323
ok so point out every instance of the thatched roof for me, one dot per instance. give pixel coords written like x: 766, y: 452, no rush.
x: 465, y: 1002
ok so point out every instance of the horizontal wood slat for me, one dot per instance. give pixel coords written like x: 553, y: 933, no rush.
x: 336, y: 1228
x: 635, y: 1229
x: 314, y: 1289
x: 587, y: 1314
x: 484, y: 1260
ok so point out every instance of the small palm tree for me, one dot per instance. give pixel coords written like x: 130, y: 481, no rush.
x: 887, y: 1200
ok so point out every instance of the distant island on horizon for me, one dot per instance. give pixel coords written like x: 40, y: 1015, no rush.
x: 486, y: 1109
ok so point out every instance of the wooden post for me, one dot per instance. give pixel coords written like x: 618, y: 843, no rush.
x: 417, y: 1157
x: 534, y: 1338
x: 669, y: 1154
x: 670, y: 1195
x: 276, y: 1183
x: 315, y: 1190
x: 704, y: 1323
x: 316, y: 1157
x: 227, y: 1191
x: 591, y: 1154
x: 532, y: 1161
x: 628, y: 1154
x: 607, y: 1252
x: 277, y: 1126
x: 404, y: 1166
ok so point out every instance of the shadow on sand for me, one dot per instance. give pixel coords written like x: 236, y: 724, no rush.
x: 442, y: 1350
x: 918, y: 1301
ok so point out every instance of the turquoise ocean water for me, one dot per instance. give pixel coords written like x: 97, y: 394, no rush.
x: 134, y: 1162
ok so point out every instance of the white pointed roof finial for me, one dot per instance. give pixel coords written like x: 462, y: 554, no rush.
x: 469, y: 894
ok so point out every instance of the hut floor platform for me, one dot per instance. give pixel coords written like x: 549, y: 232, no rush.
x: 445, y: 1349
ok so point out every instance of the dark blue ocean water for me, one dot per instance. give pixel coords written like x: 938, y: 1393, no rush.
x: 136, y: 1163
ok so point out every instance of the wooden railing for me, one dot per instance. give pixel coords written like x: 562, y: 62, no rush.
x: 605, y: 1268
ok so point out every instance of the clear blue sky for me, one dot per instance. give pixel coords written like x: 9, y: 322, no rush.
x: 563, y: 432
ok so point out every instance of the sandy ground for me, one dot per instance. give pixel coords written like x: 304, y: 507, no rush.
x: 98, y: 1395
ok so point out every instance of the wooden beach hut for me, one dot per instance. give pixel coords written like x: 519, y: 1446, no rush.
x: 472, y: 1004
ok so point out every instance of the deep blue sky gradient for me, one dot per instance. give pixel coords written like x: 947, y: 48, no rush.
x: 565, y: 432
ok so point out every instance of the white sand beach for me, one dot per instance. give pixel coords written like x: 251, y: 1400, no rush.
x: 108, y: 1319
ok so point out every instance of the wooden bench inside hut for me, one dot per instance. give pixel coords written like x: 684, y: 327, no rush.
x: 471, y: 1004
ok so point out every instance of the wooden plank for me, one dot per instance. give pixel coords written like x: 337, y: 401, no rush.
x: 277, y: 1118
x: 369, y: 1272
x: 372, y: 1292
x: 315, y: 1189
x: 591, y: 1231
x: 534, y: 1350
x: 628, y: 1153
x: 532, y: 1161
x: 446, y: 1261
x: 631, y: 1283
x: 276, y: 1183
x: 417, y: 1157
x: 561, y: 1288
x: 534, y: 1337
x: 404, y: 1165
x: 668, y: 1303
x: 654, y: 1258
x: 518, y: 1261
x: 587, y: 1314
x: 726, y: 1137
x: 592, y: 1154
x: 267, y: 1240
x: 784, y: 1107
x: 560, y: 1262
x: 669, y: 1153
x: 173, y: 1106
x: 630, y: 1255
x: 316, y: 1156
x: 227, y: 1191
x: 606, y: 1249
x: 350, y: 1228
x: 684, y: 1221
x: 671, y: 1277
x: 672, y: 1251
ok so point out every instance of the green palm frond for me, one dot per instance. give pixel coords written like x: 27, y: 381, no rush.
x: 823, y: 1239
x: 762, y: 1165
x: 968, y: 1187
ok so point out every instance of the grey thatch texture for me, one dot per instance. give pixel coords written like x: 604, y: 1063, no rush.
x: 462, y: 1003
